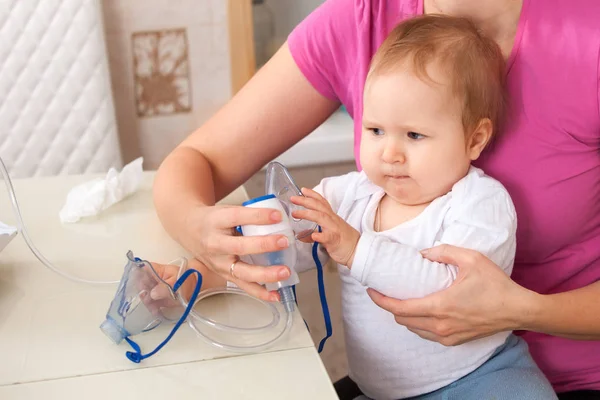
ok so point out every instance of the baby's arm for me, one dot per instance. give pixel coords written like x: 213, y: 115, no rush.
x: 482, y: 220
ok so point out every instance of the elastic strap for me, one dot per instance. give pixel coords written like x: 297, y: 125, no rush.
x: 136, y: 356
x: 321, y: 284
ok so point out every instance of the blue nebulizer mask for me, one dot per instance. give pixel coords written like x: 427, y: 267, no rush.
x: 133, y: 310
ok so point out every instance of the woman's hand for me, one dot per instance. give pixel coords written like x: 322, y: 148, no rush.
x: 482, y: 301
x: 214, y: 242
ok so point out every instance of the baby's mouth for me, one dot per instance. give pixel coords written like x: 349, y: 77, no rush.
x: 397, y: 177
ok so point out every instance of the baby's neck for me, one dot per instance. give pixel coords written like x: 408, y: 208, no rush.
x: 391, y: 213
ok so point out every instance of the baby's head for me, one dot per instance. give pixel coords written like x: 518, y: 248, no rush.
x: 433, y: 99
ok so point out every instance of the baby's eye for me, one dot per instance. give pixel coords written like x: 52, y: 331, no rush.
x: 415, y: 135
x: 377, y: 131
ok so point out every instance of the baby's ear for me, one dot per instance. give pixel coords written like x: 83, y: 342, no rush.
x: 479, y: 138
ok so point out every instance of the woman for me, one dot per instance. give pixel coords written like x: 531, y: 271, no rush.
x: 547, y: 156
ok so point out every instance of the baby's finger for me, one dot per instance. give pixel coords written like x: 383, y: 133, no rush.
x: 322, y: 237
x: 325, y: 220
x: 313, y: 194
x: 309, y: 215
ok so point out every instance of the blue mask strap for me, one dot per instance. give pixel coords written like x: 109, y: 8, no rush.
x: 321, y: 284
x: 136, y: 356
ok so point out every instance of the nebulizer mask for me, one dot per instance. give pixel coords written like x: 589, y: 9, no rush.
x: 133, y: 310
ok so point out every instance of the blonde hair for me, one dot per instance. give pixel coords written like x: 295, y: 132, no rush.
x: 473, y: 62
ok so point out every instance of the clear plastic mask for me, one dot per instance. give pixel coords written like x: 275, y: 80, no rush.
x: 280, y: 183
x: 133, y: 310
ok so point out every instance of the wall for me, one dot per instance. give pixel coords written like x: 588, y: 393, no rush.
x: 333, y: 141
x: 289, y: 13
x: 170, y: 70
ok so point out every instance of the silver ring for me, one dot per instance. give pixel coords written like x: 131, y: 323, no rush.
x: 231, y: 268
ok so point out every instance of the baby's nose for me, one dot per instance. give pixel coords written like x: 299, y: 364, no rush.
x: 394, y: 153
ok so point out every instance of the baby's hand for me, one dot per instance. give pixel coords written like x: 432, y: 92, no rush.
x: 338, y: 237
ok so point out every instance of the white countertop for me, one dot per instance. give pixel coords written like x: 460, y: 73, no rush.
x: 290, y: 375
x: 49, y: 326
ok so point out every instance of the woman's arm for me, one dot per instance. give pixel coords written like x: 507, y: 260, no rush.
x: 275, y: 109
x: 574, y: 314
x: 484, y: 300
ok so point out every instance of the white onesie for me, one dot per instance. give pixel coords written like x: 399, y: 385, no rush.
x: 385, y: 359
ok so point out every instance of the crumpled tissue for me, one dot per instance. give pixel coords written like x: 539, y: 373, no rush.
x: 92, y: 197
x: 7, y: 232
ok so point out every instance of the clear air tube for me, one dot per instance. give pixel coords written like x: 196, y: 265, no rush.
x: 195, y: 317
x: 23, y: 230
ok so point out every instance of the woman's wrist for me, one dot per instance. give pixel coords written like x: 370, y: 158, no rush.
x: 571, y: 314
x: 526, y: 310
x: 192, y: 217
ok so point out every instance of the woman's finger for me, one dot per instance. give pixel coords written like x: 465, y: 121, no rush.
x: 435, y: 327
x: 426, y: 335
x: 421, y: 323
x: 160, y: 292
x: 423, y: 307
x: 451, y: 340
x: 167, y: 273
x: 448, y: 254
x: 232, y: 216
x: 254, y: 273
x: 244, y: 245
x: 256, y: 290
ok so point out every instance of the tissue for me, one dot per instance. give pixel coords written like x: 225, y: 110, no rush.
x: 92, y: 197
x: 7, y: 232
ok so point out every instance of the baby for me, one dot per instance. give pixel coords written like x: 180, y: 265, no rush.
x: 433, y: 99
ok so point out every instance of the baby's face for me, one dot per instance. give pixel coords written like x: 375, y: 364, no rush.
x: 413, y: 142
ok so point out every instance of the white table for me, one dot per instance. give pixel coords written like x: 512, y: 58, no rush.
x: 50, y: 342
